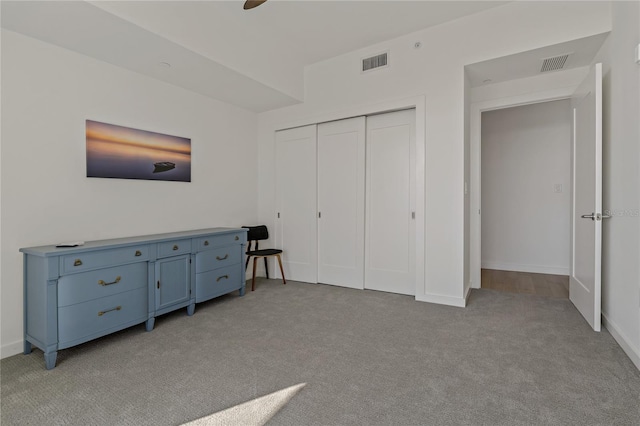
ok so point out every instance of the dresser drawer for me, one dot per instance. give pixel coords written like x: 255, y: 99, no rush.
x: 90, y: 285
x: 174, y: 248
x: 218, y: 258
x: 211, y: 241
x: 84, y: 321
x: 80, y: 262
x: 216, y: 283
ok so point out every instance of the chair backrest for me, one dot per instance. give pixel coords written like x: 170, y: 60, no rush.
x: 257, y: 233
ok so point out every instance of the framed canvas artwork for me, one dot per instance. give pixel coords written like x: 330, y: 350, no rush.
x: 125, y: 153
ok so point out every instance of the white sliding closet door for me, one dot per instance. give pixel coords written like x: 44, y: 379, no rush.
x: 390, y: 194
x: 341, y: 159
x: 296, y: 232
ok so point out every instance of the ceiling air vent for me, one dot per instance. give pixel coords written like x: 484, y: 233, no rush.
x: 374, y: 62
x: 555, y: 63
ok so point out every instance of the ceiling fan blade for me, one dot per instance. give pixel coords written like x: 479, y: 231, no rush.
x: 250, y: 4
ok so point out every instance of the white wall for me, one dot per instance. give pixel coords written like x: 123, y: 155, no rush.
x: 47, y: 93
x: 525, y: 152
x: 467, y: 188
x: 436, y: 70
x: 621, y: 179
x: 1, y: 186
x: 543, y: 85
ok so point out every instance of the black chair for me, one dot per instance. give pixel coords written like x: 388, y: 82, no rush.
x: 255, y: 234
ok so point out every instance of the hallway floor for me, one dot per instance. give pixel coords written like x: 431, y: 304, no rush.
x: 554, y: 286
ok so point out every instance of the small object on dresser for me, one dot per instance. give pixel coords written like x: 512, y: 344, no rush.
x: 71, y: 244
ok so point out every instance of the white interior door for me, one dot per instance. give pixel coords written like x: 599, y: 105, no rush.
x: 585, y: 278
x: 390, y: 203
x: 341, y: 149
x: 296, y: 232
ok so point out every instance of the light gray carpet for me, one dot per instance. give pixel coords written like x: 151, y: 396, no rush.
x: 366, y: 358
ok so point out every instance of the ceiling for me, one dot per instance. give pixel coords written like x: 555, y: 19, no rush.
x: 253, y: 59
x: 528, y: 64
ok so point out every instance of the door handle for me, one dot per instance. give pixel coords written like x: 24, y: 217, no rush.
x: 595, y: 216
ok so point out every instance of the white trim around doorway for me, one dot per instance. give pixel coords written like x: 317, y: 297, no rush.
x: 476, y: 110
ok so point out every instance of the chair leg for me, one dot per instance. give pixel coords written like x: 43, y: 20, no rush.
x: 281, y: 269
x: 266, y: 267
x: 248, y: 257
x: 253, y: 279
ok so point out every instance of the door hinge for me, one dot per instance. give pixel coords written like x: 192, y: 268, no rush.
x: 158, y: 284
x: 319, y: 215
x: 278, y: 215
x: 413, y: 215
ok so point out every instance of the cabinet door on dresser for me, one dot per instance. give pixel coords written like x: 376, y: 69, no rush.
x: 173, y: 282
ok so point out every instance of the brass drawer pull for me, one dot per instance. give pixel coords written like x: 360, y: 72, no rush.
x: 206, y: 243
x: 175, y: 247
x: 117, y: 308
x: 118, y: 278
x: 237, y: 238
x: 138, y: 253
x: 78, y: 262
x: 222, y: 258
x: 221, y: 277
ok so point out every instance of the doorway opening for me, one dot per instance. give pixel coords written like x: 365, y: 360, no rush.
x: 525, y: 154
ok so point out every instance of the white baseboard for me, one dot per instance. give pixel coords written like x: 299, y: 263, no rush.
x: 632, y: 352
x: 467, y: 294
x: 459, y: 302
x: 536, y: 269
x: 11, y: 349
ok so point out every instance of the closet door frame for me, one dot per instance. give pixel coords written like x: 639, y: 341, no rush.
x: 419, y: 104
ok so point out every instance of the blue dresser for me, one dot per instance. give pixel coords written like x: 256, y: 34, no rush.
x: 73, y: 295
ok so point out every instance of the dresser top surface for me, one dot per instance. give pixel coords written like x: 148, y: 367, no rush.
x: 52, y: 250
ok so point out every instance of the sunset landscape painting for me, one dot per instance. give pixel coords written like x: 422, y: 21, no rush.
x: 126, y: 153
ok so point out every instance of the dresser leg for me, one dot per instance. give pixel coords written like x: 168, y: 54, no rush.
x: 27, y: 347
x: 241, y: 291
x: 50, y: 359
x: 191, y: 309
x: 150, y: 323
